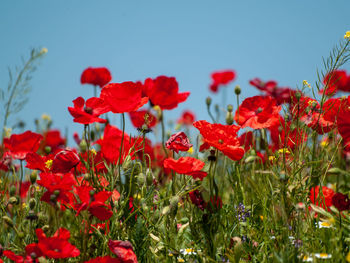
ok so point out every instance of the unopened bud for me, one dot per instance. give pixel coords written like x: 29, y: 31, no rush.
x: 8, y: 221
x: 47, y: 149
x: 166, y: 210
x: 174, y: 200
x: 237, y: 90
x: 229, y: 108
x: 334, y: 170
x: 32, y: 203
x: 83, y: 145
x: 229, y: 118
x: 13, y: 200
x: 208, y: 101
x: 297, y: 95
x: 141, y: 178
x: 33, y: 177
x: 13, y: 190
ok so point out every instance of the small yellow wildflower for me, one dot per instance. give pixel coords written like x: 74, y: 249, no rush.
x: 261, y: 217
x: 323, y: 255
x: 284, y: 150
x: 305, y: 83
x: 272, y: 158
x: 7, y: 132
x: 48, y: 164
x: 190, y: 151
x: 43, y: 50
x: 347, y: 35
x: 137, y: 196
x: 324, y: 143
x: 46, y: 117
x: 180, y: 260
x: 348, y: 257
x: 93, y: 151
x: 24, y: 205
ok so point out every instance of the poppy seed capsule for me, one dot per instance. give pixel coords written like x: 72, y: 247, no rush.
x: 229, y: 118
x: 229, y: 108
x: 47, y: 149
x: 13, y: 200
x: 237, y: 90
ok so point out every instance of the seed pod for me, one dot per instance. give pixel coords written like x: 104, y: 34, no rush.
x: 237, y: 90
x: 13, y: 190
x: 8, y: 221
x: 208, y: 101
x: 33, y: 177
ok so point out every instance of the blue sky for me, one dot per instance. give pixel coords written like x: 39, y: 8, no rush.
x: 280, y: 40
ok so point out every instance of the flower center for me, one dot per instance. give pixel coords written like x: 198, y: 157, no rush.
x: 88, y: 110
x: 259, y: 110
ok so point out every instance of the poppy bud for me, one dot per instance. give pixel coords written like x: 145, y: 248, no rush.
x: 33, y: 177
x: 297, y: 95
x: 141, y: 178
x: 127, y: 163
x: 32, y: 215
x: 149, y: 178
x: 229, y: 108
x: 45, y: 228
x: 208, y: 101
x: 334, y: 170
x: 47, y: 149
x: 217, y: 107
x: 12, y: 190
x: 237, y: 90
x: 21, y: 235
x: 8, y: 221
x: 13, y: 200
x: 166, y: 210
x: 174, y: 200
x: 229, y: 118
x: 83, y: 145
x: 32, y: 203
x: 92, y: 135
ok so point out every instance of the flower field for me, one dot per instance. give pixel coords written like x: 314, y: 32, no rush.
x: 268, y: 181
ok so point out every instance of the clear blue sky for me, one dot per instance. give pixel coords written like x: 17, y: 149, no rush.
x: 188, y: 39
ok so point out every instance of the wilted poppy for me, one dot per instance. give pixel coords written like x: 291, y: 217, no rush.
x: 164, y: 92
x: 178, y: 142
x: 341, y: 201
x: 96, y: 76
x: 123, y: 97
x: 222, y: 137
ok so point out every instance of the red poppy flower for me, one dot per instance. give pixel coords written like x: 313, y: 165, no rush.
x: 94, y: 202
x: 88, y: 112
x: 323, y: 201
x: 324, y: 119
x: 222, y: 137
x: 105, y: 259
x: 246, y: 140
x: 111, y: 143
x: 95, y: 161
x: 64, y: 161
x: 56, y: 246
x: 19, y: 145
x: 38, y: 162
x: 341, y: 201
x: 142, y: 117
x: 343, y: 123
x: 164, y: 92
x: 258, y: 112
x: 284, y: 135
x: 96, y: 76
x: 197, y: 199
x: 16, y: 258
x: 123, y: 250
x: 334, y: 81
x: 221, y: 78
x: 270, y: 88
x: 123, y: 97
x: 187, y: 118
x: 302, y: 106
x: 178, y: 142
x: 53, y: 139
x: 186, y: 165
x: 58, y: 187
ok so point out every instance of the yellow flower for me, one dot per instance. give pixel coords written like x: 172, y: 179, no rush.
x: 347, y: 35
x: 43, y: 50
x: 46, y: 117
x: 180, y: 260
x: 348, y: 257
x: 48, y: 164
x: 190, y: 151
x: 93, y: 151
x: 305, y: 83
x: 261, y: 217
x: 272, y: 158
x: 284, y: 150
